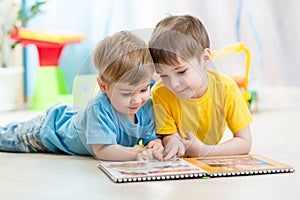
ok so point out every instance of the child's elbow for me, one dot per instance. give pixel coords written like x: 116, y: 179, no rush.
x: 98, y: 157
x: 246, y: 140
x: 247, y: 147
x: 97, y: 152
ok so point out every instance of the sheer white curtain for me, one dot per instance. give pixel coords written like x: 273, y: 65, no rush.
x: 269, y: 28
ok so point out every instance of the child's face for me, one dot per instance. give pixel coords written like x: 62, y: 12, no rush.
x: 186, y: 80
x: 128, y: 99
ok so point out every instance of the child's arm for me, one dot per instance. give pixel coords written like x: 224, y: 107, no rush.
x: 240, y: 144
x: 115, y: 152
x: 173, y: 146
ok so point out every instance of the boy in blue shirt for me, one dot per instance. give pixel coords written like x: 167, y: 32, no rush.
x: 114, y: 121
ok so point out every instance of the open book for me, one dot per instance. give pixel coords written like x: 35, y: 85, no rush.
x: 188, y: 168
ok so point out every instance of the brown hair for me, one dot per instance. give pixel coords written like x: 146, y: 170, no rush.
x: 182, y: 35
x: 123, y: 57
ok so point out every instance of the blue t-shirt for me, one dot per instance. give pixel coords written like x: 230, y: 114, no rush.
x: 73, y: 132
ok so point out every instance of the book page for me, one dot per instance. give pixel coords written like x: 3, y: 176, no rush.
x: 132, y: 169
x: 248, y: 162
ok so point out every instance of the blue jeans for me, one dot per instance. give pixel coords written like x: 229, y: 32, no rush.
x: 23, y: 136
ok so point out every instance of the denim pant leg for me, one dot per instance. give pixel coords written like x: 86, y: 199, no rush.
x: 23, y: 136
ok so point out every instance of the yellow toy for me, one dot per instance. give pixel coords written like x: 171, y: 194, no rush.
x: 249, y: 96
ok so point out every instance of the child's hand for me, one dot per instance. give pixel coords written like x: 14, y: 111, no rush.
x: 188, y: 140
x: 173, y: 146
x: 157, y: 148
x: 191, y: 144
x: 146, y: 154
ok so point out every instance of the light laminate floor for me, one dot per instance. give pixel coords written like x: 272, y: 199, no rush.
x: 276, y: 134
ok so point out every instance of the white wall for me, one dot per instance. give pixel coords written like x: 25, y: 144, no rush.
x: 269, y: 28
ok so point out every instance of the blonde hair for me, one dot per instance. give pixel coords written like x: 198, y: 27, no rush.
x: 123, y: 57
x: 182, y: 36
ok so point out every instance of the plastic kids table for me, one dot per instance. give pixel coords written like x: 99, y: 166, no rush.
x: 50, y: 85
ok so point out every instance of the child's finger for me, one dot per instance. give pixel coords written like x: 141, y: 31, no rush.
x: 145, y: 155
x: 181, y: 151
x: 150, y: 145
x: 168, y: 156
x: 171, y: 153
x: 158, y: 154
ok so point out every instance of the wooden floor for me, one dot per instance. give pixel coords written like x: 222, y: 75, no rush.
x: 276, y: 134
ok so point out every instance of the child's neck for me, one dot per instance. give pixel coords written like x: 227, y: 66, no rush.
x: 132, y: 118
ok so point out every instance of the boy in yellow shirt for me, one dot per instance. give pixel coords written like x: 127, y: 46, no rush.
x: 193, y: 105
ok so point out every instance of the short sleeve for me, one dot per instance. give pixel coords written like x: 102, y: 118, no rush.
x: 238, y: 115
x: 148, y: 123
x: 100, y: 128
x: 166, y: 109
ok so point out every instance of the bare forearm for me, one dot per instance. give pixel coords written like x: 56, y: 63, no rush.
x: 234, y: 146
x: 116, y: 152
x: 240, y: 144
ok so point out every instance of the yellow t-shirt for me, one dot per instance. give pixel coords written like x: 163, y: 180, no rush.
x: 206, y: 117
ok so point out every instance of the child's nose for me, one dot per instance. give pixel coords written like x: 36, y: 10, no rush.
x: 136, y: 99
x: 175, y: 82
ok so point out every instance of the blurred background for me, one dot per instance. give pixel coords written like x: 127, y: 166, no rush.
x: 268, y: 28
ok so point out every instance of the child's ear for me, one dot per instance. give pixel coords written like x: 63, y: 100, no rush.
x: 206, y: 56
x: 102, y: 85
